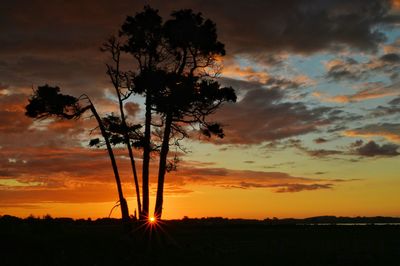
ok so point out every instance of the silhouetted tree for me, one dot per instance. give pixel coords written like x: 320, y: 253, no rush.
x: 122, y: 81
x: 190, y: 94
x: 188, y: 103
x: 144, y: 36
x: 47, y: 101
x: 176, y: 70
x: 174, y: 63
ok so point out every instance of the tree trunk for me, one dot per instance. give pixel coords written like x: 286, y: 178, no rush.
x: 162, y: 167
x: 146, y: 160
x: 122, y: 201
x: 135, y: 177
x: 128, y: 145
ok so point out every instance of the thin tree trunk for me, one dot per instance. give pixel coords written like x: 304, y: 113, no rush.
x: 146, y: 160
x: 122, y: 201
x: 135, y: 177
x: 162, y: 167
x: 128, y: 145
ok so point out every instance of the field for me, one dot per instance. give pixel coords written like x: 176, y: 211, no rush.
x: 200, y: 242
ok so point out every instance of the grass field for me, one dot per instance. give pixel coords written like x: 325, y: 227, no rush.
x: 103, y: 242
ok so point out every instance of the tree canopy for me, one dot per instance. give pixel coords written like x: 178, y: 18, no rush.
x: 176, y: 70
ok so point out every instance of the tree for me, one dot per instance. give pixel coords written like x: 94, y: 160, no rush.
x: 176, y: 70
x: 191, y: 108
x: 190, y: 94
x: 144, y: 32
x: 122, y: 80
x: 47, y: 101
x: 173, y: 59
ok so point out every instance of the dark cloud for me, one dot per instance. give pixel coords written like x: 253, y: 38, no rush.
x: 392, y: 108
x: 265, y: 25
x: 266, y: 59
x: 358, y: 147
x: 322, y: 152
x: 320, y: 140
x: 3, y: 86
x: 59, y: 41
x: 395, y: 101
x: 347, y: 69
x: 241, y: 86
x: 300, y: 187
x: 385, y: 110
x: 246, y: 179
x: 271, y: 117
x: 371, y: 149
x: 318, y: 153
x: 75, y: 75
x: 357, y: 143
x: 132, y: 108
x: 283, y: 188
x: 43, y: 164
x: 291, y: 25
x: 12, y: 119
x: 390, y: 58
x: 280, y: 164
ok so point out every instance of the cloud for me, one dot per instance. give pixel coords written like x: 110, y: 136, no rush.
x: 266, y: 108
x: 83, y: 175
x: 132, y: 109
x: 346, y: 69
x: 393, y: 47
x: 283, y: 188
x: 317, y: 153
x: 392, y: 108
x: 301, y: 187
x: 75, y: 75
x: 12, y: 119
x: 47, y: 166
x: 245, y: 73
x: 357, y: 143
x: 358, y: 147
x: 247, y: 179
x: 261, y: 76
x: 271, y: 26
x: 390, y: 58
x: 322, y: 152
x: 389, y: 131
x: 372, y: 149
x: 58, y: 42
x: 320, y: 140
x: 371, y: 92
x: 395, y: 101
x: 290, y: 25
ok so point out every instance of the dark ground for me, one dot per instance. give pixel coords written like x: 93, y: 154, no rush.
x: 195, y: 242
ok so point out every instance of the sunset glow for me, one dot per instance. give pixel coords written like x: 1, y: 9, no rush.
x: 315, y: 129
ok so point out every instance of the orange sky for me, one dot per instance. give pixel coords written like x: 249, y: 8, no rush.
x: 315, y: 130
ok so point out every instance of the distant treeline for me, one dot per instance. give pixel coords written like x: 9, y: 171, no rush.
x: 216, y: 220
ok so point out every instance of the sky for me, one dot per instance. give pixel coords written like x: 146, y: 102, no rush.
x: 315, y: 130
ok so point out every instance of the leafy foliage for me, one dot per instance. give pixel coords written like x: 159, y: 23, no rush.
x: 48, y: 101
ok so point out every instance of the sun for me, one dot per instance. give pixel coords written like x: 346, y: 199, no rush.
x: 152, y: 220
